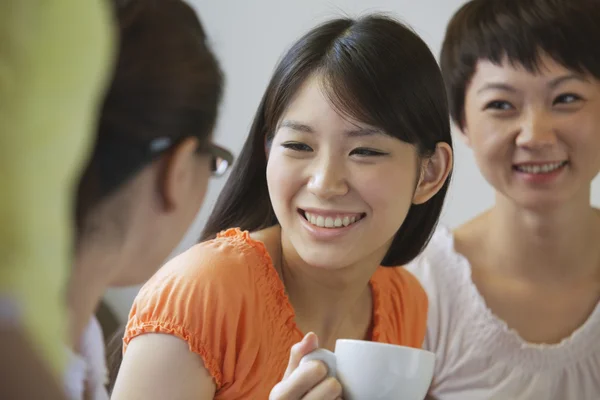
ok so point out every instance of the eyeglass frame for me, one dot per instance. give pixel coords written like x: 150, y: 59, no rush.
x: 216, y: 153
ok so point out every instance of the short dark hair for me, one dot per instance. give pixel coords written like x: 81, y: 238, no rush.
x: 166, y: 84
x: 376, y: 70
x: 521, y: 31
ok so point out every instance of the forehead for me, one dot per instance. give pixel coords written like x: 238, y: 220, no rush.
x: 310, y: 94
x: 311, y: 106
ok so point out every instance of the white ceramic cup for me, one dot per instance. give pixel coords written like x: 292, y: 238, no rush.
x: 378, y: 371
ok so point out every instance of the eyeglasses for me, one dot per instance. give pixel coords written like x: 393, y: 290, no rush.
x: 220, y: 159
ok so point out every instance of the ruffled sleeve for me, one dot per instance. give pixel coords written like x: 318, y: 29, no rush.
x: 204, y: 298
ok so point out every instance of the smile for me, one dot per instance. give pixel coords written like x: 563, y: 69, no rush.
x: 540, y: 168
x: 331, y: 220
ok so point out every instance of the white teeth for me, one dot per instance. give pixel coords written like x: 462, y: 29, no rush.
x: 329, y: 222
x: 320, y: 221
x: 541, y: 169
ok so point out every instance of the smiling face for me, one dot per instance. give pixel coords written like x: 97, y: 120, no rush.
x: 536, y: 137
x: 340, y: 189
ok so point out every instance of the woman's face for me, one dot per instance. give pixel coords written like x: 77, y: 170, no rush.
x: 340, y: 189
x: 536, y: 137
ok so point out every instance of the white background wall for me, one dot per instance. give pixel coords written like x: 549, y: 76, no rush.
x: 249, y: 37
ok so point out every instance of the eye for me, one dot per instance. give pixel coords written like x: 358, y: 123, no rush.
x: 567, y: 98
x: 365, y: 152
x: 296, y: 146
x: 499, y: 105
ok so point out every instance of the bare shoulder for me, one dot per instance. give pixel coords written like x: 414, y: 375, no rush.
x: 160, y: 366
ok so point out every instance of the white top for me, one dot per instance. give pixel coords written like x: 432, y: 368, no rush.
x: 479, y: 358
x: 87, y: 371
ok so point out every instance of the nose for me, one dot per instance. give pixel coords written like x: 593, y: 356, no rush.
x: 328, y: 179
x: 537, y: 131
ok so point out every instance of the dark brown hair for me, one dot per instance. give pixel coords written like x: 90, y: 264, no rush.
x: 521, y: 31
x: 375, y: 70
x: 166, y: 86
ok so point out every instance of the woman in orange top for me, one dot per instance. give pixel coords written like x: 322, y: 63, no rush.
x: 342, y: 178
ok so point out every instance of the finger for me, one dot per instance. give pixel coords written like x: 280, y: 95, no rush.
x: 309, y: 343
x: 329, y: 389
x: 301, y: 381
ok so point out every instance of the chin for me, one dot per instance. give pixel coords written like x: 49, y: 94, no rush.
x: 329, y: 260
x: 542, y: 202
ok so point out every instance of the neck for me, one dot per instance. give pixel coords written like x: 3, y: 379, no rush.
x: 548, y: 245
x: 332, y: 303
x: 91, y: 275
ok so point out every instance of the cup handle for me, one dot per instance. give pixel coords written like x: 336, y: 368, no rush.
x: 324, y: 356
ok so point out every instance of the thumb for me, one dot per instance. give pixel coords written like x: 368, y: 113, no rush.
x: 309, y: 343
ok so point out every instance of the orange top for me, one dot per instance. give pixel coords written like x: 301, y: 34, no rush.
x: 225, y: 299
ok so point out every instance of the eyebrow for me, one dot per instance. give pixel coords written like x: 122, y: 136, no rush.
x: 296, y: 126
x: 561, y: 79
x: 553, y: 84
x: 358, y: 132
x: 498, y: 86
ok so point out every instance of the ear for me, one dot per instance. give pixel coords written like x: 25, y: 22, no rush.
x: 177, y: 175
x: 434, y: 172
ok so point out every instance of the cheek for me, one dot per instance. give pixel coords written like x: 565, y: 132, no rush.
x: 388, y: 193
x: 491, y: 143
x: 202, y: 189
x: 201, y: 183
x: 494, y: 150
x: 283, y: 181
x: 582, y: 133
x: 583, y: 145
x: 490, y: 160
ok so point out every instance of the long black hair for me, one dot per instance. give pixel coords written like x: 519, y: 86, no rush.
x: 376, y: 70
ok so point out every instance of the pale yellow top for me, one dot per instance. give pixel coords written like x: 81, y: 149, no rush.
x: 55, y: 58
